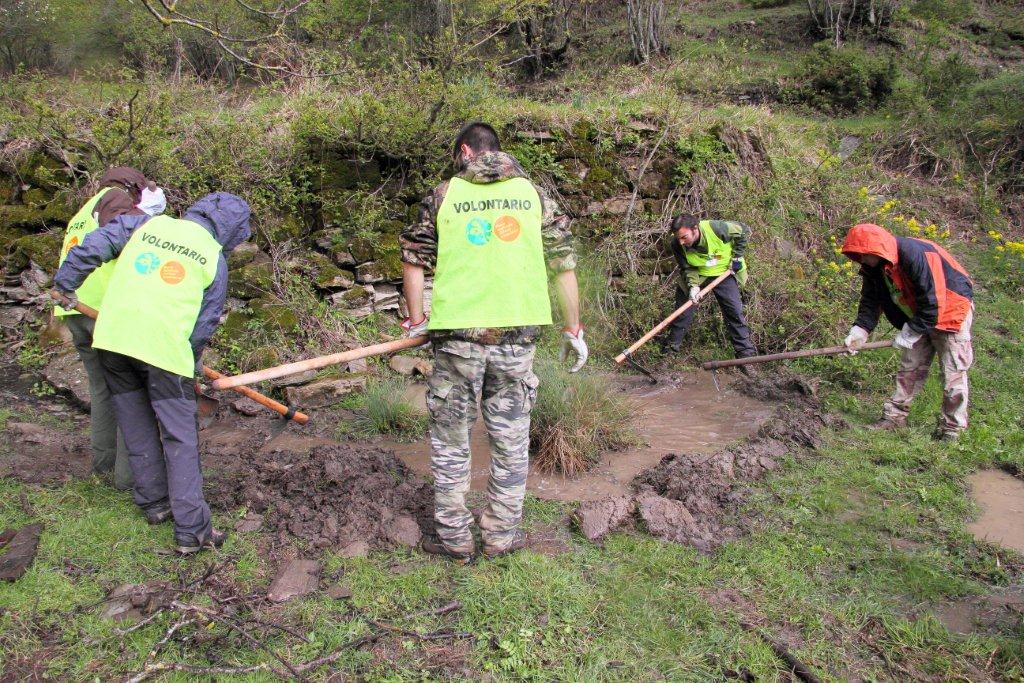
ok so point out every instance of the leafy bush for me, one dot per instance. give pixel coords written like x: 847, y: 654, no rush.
x: 695, y: 153
x: 576, y: 418
x: 843, y: 80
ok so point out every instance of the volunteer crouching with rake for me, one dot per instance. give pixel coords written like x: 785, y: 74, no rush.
x: 705, y: 250
x: 487, y: 233
x: 163, y: 303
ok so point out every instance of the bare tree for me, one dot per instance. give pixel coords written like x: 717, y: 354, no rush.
x: 646, y: 21
x: 835, y: 18
x: 265, y: 51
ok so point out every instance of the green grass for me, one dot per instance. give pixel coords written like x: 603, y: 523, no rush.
x: 384, y: 409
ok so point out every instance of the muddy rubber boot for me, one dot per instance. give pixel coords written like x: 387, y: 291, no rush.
x: 214, y: 539
x: 518, y: 543
x: 886, y: 425
x: 158, y: 515
x: 432, y: 545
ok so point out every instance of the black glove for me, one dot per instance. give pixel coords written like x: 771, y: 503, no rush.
x: 737, y: 265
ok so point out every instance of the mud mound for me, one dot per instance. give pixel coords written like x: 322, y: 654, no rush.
x: 331, y: 496
x: 693, y: 499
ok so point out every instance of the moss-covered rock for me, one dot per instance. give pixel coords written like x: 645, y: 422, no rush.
x: 280, y: 228
x: 244, y: 254
x: 251, y: 281
x: 42, y: 249
x: 39, y: 170
x: 235, y: 325
x: 22, y: 216
x: 389, y: 257
x: 271, y: 312
x: 259, y: 358
x: 363, y: 249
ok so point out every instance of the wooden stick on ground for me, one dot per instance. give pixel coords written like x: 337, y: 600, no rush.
x: 210, y: 373
x: 672, y: 316
x: 789, y: 355
x: 319, y: 362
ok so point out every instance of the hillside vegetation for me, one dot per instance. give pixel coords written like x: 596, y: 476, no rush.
x: 334, y: 120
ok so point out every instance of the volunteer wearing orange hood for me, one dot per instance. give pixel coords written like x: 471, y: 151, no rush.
x: 929, y: 298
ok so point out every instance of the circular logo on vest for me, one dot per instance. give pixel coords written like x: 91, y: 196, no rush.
x: 72, y: 243
x: 478, y: 232
x: 507, y: 229
x: 146, y: 263
x: 172, y: 272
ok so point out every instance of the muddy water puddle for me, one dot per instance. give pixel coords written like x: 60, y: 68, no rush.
x: 1001, y: 498
x: 685, y: 416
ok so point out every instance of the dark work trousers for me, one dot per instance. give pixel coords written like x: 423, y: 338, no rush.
x: 729, y: 301
x: 156, y: 410
x: 109, y: 452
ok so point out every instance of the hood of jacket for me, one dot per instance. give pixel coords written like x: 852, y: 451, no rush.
x: 490, y: 167
x: 868, y: 238
x: 225, y: 215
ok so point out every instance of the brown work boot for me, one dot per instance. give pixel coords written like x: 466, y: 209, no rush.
x: 887, y: 425
x: 946, y: 435
x: 433, y: 545
x: 518, y: 543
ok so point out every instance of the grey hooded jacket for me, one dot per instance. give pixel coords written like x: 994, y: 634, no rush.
x: 224, y: 215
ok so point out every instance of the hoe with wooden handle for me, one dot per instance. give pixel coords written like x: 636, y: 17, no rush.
x: 319, y: 362
x: 627, y: 355
x: 279, y: 408
x: 790, y: 355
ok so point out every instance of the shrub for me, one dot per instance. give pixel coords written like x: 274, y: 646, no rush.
x: 843, y: 80
x: 575, y: 418
x: 765, y: 4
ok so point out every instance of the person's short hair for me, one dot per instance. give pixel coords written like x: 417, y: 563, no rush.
x: 479, y: 137
x: 683, y: 220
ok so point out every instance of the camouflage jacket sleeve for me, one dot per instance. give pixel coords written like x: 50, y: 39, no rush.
x: 735, y: 232
x: 559, y: 250
x: 419, y: 241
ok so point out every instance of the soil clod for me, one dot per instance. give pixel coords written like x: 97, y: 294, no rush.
x: 597, y: 518
x: 294, y: 579
x: 19, y: 552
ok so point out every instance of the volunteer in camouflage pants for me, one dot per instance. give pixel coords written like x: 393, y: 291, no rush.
x: 929, y: 297
x: 501, y: 375
x: 491, y: 237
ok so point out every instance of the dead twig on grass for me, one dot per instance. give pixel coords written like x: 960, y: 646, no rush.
x: 799, y: 669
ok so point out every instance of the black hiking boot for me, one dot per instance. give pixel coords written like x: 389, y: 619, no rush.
x: 213, y: 539
x: 158, y: 515
x: 518, y: 543
x: 433, y: 545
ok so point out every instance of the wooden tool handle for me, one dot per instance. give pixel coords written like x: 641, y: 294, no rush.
x: 672, y: 316
x: 319, y: 362
x: 210, y: 373
x: 789, y: 355
x: 265, y: 401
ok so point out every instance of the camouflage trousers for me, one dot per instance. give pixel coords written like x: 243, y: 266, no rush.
x: 501, y: 377
x: 956, y: 354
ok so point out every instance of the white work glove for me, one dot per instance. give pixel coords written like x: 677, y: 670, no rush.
x: 906, y: 338
x: 415, y: 329
x: 67, y: 300
x: 574, y: 342
x: 858, y: 335
x: 153, y: 202
x: 695, y: 294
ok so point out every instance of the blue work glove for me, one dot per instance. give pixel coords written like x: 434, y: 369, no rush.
x: 737, y: 265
